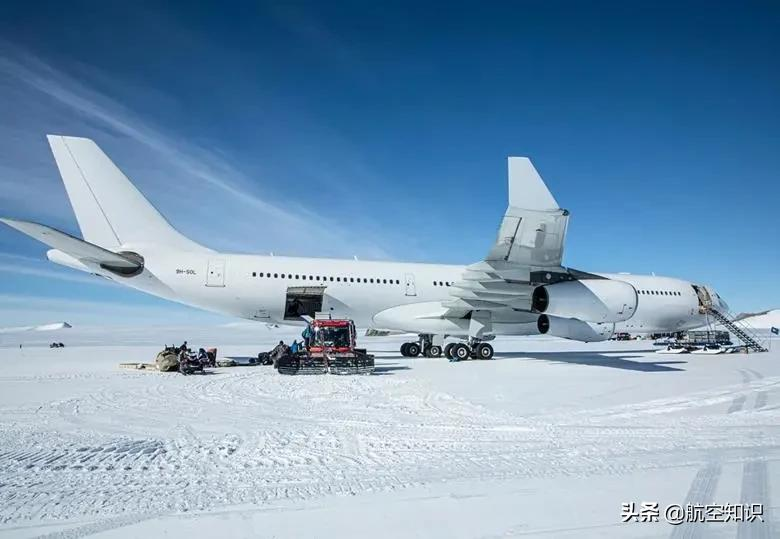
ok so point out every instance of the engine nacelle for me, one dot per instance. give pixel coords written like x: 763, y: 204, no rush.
x: 425, y: 317
x: 576, y: 330
x: 592, y: 300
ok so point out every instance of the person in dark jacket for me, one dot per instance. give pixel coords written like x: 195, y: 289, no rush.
x: 278, y: 351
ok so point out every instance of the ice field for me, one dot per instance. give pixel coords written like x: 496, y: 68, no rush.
x: 549, y: 439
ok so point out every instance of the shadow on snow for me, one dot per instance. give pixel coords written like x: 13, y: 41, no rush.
x: 595, y: 359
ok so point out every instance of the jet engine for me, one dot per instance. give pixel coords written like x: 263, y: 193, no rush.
x: 592, y: 300
x: 576, y: 330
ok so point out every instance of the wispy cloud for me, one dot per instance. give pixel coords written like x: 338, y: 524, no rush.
x: 22, y: 309
x: 35, y: 267
x: 239, y: 216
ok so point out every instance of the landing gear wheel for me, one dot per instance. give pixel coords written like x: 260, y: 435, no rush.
x: 448, y: 350
x: 412, y: 349
x: 483, y: 351
x: 405, y: 349
x: 459, y: 352
x: 433, y: 351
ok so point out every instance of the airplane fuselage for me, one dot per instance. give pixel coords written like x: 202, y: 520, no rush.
x: 256, y: 288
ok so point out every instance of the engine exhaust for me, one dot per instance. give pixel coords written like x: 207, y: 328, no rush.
x: 540, y: 299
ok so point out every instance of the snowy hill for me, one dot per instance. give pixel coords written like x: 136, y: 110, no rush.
x: 764, y: 320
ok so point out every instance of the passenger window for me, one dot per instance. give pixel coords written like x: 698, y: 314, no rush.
x: 276, y: 275
x: 384, y: 281
x: 372, y: 281
x: 254, y: 274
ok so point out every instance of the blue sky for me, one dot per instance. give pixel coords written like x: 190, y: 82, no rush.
x: 382, y: 131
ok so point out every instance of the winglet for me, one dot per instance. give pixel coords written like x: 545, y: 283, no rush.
x: 527, y: 190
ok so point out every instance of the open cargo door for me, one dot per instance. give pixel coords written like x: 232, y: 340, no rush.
x: 303, y: 301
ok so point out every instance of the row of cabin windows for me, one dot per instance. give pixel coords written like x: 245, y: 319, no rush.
x: 441, y: 283
x: 660, y: 293
x: 324, y: 278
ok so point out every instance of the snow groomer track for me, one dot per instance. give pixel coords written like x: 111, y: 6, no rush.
x: 86, y: 447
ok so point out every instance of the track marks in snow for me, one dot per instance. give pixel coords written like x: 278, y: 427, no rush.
x: 701, y: 492
x: 734, y: 394
x: 755, y: 482
x: 755, y: 490
x: 127, y: 454
x: 157, y: 443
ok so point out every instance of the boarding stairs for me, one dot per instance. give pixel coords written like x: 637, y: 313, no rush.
x: 741, y: 330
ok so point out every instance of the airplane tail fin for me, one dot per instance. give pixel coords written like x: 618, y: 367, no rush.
x: 109, y: 209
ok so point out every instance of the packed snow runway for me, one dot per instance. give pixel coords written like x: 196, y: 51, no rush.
x: 550, y: 438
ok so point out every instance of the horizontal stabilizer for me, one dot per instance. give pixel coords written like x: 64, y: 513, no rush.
x: 78, y: 249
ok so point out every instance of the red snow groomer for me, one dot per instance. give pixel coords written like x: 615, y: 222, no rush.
x: 331, y: 349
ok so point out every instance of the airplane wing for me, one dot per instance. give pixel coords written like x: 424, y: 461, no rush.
x: 534, y: 226
x: 528, y: 249
x: 85, y: 252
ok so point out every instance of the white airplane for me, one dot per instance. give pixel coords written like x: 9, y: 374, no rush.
x: 520, y: 288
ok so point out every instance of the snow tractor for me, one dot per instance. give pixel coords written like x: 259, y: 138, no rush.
x: 331, y: 349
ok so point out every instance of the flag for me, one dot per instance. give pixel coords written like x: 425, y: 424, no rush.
x: 775, y: 331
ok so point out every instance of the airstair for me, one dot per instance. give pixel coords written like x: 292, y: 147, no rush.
x: 738, y: 328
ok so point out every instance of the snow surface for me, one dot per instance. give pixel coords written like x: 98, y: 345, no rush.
x: 549, y: 439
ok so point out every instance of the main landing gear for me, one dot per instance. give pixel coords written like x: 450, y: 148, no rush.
x: 461, y: 351
x: 453, y: 351
x: 424, y: 346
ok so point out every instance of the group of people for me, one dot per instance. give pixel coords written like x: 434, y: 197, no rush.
x: 282, y: 349
x: 185, y: 354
